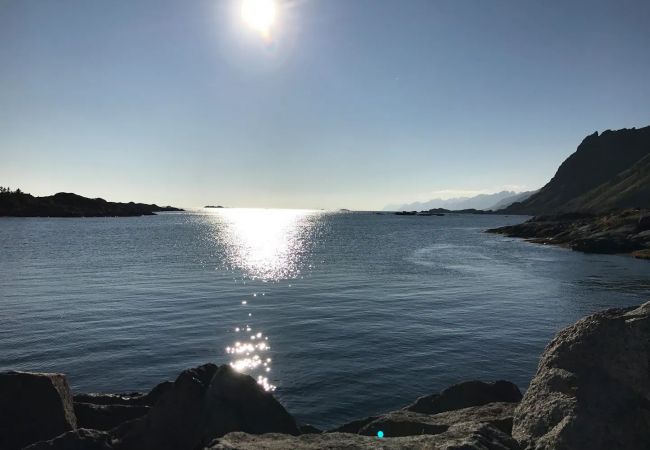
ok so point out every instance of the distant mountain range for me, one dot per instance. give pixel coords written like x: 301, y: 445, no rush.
x: 494, y: 201
x: 607, y: 171
x: 520, y: 197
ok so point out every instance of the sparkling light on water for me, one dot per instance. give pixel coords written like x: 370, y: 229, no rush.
x: 249, y: 357
x: 266, y: 245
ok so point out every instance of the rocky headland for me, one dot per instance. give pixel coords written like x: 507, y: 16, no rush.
x: 19, y: 204
x: 591, y: 391
x: 626, y: 232
x: 608, y: 171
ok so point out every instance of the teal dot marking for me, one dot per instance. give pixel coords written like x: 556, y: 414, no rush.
x: 380, y: 434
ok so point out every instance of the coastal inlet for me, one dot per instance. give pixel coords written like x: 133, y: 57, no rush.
x: 400, y: 304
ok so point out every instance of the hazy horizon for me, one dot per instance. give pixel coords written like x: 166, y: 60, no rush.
x: 337, y: 105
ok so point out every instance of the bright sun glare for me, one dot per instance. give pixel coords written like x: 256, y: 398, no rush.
x: 259, y: 15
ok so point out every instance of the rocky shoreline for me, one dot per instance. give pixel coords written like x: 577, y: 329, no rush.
x: 591, y: 391
x: 615, y: 232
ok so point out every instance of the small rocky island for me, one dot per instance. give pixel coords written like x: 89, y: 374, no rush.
x: 591, y: 391
x: 19, y: 204
x: 626, y: 232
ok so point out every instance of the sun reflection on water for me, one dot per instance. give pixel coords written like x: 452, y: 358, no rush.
x: 266, y: 245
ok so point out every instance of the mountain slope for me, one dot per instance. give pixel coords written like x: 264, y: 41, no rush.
x: 630, y: 188
x: 607, y: 171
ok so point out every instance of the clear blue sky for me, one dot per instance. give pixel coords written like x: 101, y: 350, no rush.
x: 354, y: 103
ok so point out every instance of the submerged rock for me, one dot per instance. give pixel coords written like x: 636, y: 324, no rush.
x: 33, y: 407
x: 592, y: 387
x: 205, y: 402
x: 464, y: 395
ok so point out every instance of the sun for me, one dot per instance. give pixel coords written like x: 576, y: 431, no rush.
x: 260, y: 15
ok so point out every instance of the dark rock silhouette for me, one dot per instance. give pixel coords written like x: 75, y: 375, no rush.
x: 592, y: 387
x: 610, y: 170
x: 107, y: 411
x: 20, y: 204
x: 129, y: 399
x: 106, y: 417
x: 644, y: 223
x: 33, y: 407
x: 81, y: 439
x: 205, y: 402
x: 465, y: 395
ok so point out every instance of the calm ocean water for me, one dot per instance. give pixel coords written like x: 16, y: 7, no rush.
x: 347, y: 314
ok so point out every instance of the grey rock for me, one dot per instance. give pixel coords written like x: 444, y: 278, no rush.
x: 408, y: 423
x: 607, y: 243
x: 205, y: 402
x: 464, y: 395
x: 354, y: 426
x: 465, y: 436
x: 33, y: 407
x: 80, y: 439
x: 592, y: 387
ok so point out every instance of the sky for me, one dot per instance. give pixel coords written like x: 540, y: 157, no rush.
x: 342, y: 104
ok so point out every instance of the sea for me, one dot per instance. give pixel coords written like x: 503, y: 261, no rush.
x: 340, y: 314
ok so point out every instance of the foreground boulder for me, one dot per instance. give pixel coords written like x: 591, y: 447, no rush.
x: 33, y: 407
x: 592, y: 387
x: 465, y: 436
x: 464, y: 395
x: 205, y: 403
